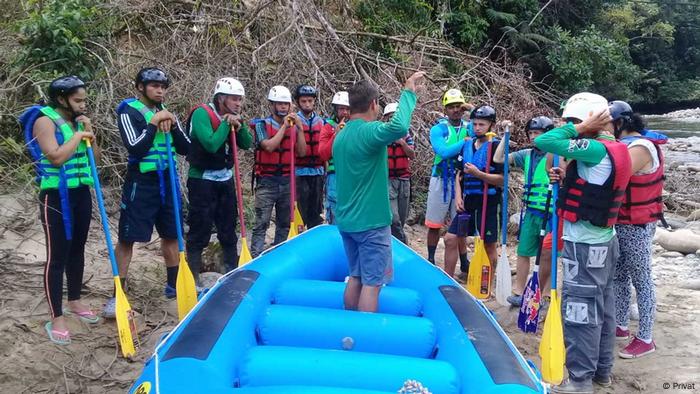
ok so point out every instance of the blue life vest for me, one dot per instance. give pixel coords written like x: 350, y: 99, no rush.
x: 472, y: 185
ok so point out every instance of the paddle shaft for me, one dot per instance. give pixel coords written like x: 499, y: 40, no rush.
x: 543, y: 229
x: 504, y: 204
x: 292, y: 174
x: 237, y: 174
x: 103, y: 211
x: 173, y: 190
x: 524, y: 204
x: 486, y: 187
x: 555, y: 226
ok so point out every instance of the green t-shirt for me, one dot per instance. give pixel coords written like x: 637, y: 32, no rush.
x: 362, y: 171
x: 594, y: 166
x: 211, y: 140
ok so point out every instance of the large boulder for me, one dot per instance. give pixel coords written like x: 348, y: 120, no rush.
x: 684, y: 240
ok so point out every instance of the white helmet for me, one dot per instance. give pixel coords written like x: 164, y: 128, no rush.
x: 280, y: 94
x: 391, y: 107
x: 341, y: 98
x: 229, y: 86
x: 582, y: 105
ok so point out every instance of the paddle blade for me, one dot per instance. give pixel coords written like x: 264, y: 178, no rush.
x: 292, y: 231
x: 245, y: 256
x: 503, y: 282
x: 298, y: 221
x: 479, y: 278
x: 186, y: 288
x: 530, y: 308
x: 126, y: 327
x: 552, y: 349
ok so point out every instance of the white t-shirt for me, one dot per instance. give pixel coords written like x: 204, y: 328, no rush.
x: 652, y: 151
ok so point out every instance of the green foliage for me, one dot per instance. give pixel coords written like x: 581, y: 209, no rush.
x: 592, y: 61
x: 677, y: 91
x: 54, y: 37
x: 465, y: 29
x: 393, y: 17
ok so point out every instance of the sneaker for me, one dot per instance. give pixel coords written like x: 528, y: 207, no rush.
x: 110, y: 309
x: 515, y: 300
x: 637, y: 348
x: 621, y: 334
x: 572, y: 387
x: 169, y: 291
x: 603, y: 381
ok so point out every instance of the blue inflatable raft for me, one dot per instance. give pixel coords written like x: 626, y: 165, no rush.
x: 277, y: 325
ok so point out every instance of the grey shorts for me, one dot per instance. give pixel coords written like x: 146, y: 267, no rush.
x: 440, y: 207
x: 369, y: 255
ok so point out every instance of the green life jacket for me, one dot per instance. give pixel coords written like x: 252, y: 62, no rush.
x: 452, y: 136
x: 536, y: 182
x: 157, y: 156
x: 76, y: 170
x: 330, y: 169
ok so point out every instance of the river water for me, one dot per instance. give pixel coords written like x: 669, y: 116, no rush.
x: 680, y: 131
x: 675, y: 127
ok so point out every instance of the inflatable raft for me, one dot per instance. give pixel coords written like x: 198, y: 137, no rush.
x: 277, y: 325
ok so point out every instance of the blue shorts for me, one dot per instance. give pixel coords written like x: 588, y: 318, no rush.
x: 142, y: 207
x: 369, y: 255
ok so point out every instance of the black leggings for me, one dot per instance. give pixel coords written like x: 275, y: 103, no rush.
x: 62, y: 254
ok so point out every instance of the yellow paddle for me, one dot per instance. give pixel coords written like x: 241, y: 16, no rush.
x: 552, y: 349
x: 185, y: 287
x: 298, y: 221
x: 479, y: 278
x: 294, y: 226
x: 245, y: 256
x: 128, y: 340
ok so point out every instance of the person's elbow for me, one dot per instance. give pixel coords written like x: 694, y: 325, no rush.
x: 55, y: 158
x: 541, y: 141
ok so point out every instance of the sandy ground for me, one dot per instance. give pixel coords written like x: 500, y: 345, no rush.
x: 92, y: 364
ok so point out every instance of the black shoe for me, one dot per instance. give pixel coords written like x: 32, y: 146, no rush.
x: 603, y: 381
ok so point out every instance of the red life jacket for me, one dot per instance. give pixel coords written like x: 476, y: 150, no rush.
x: 201, y: 158
x: 398, y: 162
x: 642, y: 203
x: 312, y: 135
x: 278, y: 162
x: 598, y: 204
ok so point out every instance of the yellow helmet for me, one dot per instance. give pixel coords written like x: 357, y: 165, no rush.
x: 452, y: 96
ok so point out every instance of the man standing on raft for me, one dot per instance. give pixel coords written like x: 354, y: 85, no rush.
x: 363, y: 214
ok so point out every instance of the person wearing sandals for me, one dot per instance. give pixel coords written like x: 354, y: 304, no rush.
x: 58, y: 132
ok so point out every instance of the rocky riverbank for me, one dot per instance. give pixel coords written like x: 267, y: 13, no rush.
x: 691, y: 115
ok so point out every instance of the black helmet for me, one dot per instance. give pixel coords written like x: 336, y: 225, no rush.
x: 304, y: 90
x: 539, y: 123
x: 152, y: 74
x: 63, y: 86
x: 484, y: 112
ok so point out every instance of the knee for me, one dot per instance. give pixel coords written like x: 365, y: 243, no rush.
x: 451, y: 240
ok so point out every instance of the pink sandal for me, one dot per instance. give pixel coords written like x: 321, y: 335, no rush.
x: 57, y: 337
x: 88, y: 316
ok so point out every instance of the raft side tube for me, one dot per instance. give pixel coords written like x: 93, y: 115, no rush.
x: 496, y: 355
x: 204, y: 329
